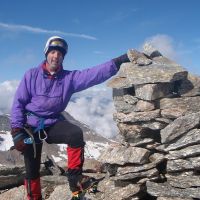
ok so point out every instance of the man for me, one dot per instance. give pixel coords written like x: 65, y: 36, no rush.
x: 42, y: 95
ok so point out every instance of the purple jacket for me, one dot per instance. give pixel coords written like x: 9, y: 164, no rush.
x: 48, y: 97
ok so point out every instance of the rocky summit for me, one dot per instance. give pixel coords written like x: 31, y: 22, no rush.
x: 158, y: 116
x: 156, y: 155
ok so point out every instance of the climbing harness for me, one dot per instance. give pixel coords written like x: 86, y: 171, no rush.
x: 40, y: 126
x: 40, y: 130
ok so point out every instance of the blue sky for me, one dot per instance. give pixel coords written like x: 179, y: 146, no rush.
x: 96, y: 31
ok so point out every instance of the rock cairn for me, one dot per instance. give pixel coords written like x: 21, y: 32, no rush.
x: 157, y: 106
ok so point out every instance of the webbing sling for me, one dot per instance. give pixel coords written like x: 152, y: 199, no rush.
x: 40, y: 126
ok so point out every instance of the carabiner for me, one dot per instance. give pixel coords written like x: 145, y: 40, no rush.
x: 45, y: 135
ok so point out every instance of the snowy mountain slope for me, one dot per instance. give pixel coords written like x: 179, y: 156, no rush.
x: 94, y: 143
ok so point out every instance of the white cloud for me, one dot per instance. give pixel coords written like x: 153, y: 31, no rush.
x: 7, y: 91
x: 17, y: 27
x: 163, y: 43
x: 95, y: 108
x: 175, y: 50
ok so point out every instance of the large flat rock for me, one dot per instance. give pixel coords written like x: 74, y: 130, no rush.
x: 154, y: 73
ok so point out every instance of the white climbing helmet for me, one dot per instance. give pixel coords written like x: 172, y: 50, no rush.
x: 56, y: 43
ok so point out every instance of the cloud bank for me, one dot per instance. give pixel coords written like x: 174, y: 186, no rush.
x: 163, y: 43
x: 95, y: 108
x: 7, y: 91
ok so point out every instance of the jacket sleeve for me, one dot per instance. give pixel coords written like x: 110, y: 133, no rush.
x: 22, y: 97
x: 93, y: 76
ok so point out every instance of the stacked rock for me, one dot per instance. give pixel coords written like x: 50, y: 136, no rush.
x: 158, y: 116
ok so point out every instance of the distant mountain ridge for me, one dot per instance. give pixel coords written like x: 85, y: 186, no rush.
x: 94, y: 143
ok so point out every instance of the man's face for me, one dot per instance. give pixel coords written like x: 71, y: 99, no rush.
x: 54, y: 59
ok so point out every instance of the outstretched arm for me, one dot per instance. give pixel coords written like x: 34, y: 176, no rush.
x: 97, y: 74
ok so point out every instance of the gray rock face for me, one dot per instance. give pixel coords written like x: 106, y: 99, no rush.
x: 143, y: 174
x: 180, y: 126
x: 132, y: 132
x: 122, y: 106
x: 139, y: 133
x: 186, y: 152
x: 11, y: 176
x: 154, y: 73
x: 154, y: 91
x: 167, y: 190
x: 190, y: 138
x: 185, y: 105
x: 126, y: 192
x: 184, y: 181
x: 143, y: 106
x: 14, y: 194
x: 138, y: 58
x: 119, y: 82
x: 190, y: 87
x: 122, y: 155
x: 181, y: 165
x: 137, y: 116
x: 173, y: 198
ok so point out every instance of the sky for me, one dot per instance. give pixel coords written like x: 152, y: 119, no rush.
x: 96, y: 31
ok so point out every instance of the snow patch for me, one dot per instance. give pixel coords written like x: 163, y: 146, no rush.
x: 62, y: 147
x: 6, y: 141
x: 94, y: 149
x: 56, y: 159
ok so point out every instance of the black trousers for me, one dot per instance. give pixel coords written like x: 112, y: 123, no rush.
x: 62, y: 132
